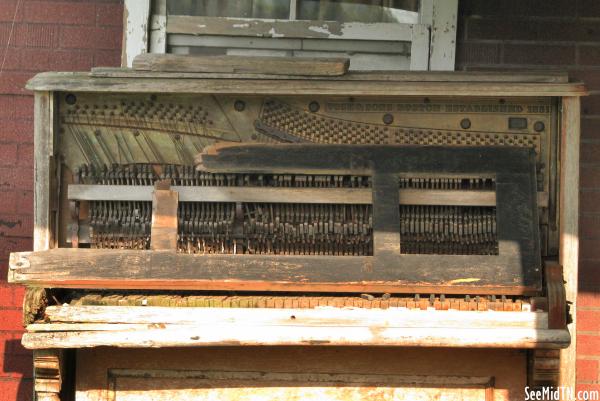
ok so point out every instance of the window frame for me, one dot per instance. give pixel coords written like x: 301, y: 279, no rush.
x: 430, y: 33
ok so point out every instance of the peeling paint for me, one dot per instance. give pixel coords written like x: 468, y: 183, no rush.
x: 274, y: 34
x: 240, y: 26
x: 320, y: 29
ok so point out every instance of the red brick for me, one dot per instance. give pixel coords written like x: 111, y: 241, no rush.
x: 18, y: 295
x: 589, y: 275
x: 61, y: 12
x: 36, y: 59
x: 588, y: 320
x: 590, y: 105
x: 519, y: 8
x: 589, y: 202
x: 14, y: 346
x: 588, y: 389
x: 20, y: 178
x: 72, y: 60
x: 589, y: 55
x: 14, y: 83
x: 12, y: 244
x: 591, y: 77
x: 15, y: 107
x: 12, y: 62
x: 16, y: 225
x: 109, y: 15
x: 8, y: 202
x: 11, y: 319
x: 23, y: 106
x: 8, y: 11
x: 589, y: 177
x: 36, y: 35
x: 590, y: 129
x: 90, y: 37
x: 24, y: 202
x: 25, y: 154
x: 589, y: 249
x: 539, y: 54
x: 478, y: 53
x: 590, y: 153
x: 588, y: 298
x: 589, y: 8
x: 107, y: 58
x: 588, y: 345
x: 6, y: 298
x: 8, y: 154
x: 20, y: 366
x: 500, y: 28
x: 587, y: 370
x: 17, y: 389
x: 16, y: 130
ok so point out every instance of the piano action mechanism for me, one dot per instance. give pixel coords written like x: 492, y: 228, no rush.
x: 426, y: 213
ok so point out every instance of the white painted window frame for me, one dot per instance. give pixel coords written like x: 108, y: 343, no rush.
x: 431, y: 33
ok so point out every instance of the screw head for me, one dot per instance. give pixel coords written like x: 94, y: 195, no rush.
x: 465, y: 123
x: 539, y: 126
x: 239, y: 105
x: 314, y: 106
x: 71, y: 99
x: 388, y: 118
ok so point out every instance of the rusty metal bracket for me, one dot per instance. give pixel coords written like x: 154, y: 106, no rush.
x: 164, y: 217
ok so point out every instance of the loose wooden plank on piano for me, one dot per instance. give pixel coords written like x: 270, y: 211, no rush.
x: 233, y: 64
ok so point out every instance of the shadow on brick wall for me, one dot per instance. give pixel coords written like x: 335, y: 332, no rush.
x: 17, y: 382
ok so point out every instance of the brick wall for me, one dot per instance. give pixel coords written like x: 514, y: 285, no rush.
x: 47, y: 35
x: 77, y: 35
x: 563, y: 35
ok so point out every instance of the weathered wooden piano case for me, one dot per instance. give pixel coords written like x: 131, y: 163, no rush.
x: 359, y: 237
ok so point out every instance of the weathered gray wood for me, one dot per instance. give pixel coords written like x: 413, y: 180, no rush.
x: 386, y: 214
x: 235, y: 64
x: 403, y: 76
x: 131, y: 269
x: 419, y: 49
x: 82, y: 82
x: 442, y: 48
x: 158, y: 27
x: 195, y: 25
x: 283, y: 195
x: 569, y: 224
x: 43, y: 235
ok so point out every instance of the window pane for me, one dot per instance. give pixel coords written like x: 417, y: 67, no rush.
x: 355, y: 10
x: 275, y: 9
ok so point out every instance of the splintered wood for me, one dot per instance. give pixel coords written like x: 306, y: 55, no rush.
x: 121, y: 326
